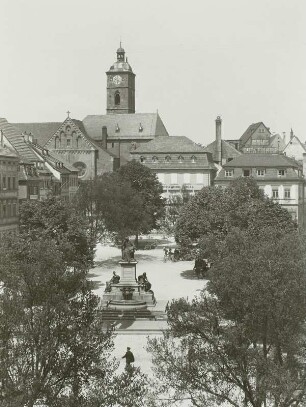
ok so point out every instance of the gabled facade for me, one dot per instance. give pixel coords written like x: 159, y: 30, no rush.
x: 178, y: 163
x: 41, y: 174
x: 295, y: 148
x: 280, y: 177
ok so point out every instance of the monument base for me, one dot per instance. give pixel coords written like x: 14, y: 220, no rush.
x: 128, y: 294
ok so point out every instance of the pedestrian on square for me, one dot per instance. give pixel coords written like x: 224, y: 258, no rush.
x: 129, y: 358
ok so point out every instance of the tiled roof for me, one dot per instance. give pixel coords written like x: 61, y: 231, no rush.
x: 133, y: 126
x: 171, y: 144
x: 249, y: 131
x: 7, y: 152
x: 228, y: 151
x: 53, y: 159
x: 40, y: 131
x: 17, y: 141
x: 262, y: 160
x: 277, y: 141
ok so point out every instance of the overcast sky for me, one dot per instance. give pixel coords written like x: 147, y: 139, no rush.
x: 242, y: 59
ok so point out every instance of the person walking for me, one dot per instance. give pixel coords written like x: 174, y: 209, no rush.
x: 129, y: 358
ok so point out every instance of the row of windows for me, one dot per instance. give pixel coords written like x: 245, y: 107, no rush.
x: 8, y: 166
x: 8, y: 208
x: 61, y: 142
x: 259, y: 172
x: 168, y: 159
x: 7, y: 183
x: 275, y: 193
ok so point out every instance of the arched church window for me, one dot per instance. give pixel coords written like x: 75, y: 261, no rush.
x: 78, y: 142
x: 68, y: 142
x: 117, y: 98
x: 57, y: 142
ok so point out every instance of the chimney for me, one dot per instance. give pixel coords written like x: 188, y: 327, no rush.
x: 1, y: 139
x: 30, y: 137
x: 104, y: 137
x: 218, y: 141
x: 284, y: 136
x: 291, y: 134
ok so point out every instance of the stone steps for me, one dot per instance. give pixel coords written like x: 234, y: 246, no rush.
x: 131, y: 315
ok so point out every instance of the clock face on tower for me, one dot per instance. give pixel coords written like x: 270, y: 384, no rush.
x: 117, y: 80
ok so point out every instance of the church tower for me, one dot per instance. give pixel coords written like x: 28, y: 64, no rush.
x: 120, y: 86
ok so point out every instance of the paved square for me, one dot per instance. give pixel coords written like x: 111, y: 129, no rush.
x: 169, y: 280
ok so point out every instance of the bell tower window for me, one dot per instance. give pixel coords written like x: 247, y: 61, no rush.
x: 117, y: 98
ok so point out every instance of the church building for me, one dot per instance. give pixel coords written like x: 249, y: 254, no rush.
x: 101, y: 143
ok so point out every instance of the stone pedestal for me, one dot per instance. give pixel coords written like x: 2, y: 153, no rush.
x: 128, y: 294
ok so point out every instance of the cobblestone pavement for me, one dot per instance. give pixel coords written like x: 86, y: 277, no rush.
x: 169, y: 280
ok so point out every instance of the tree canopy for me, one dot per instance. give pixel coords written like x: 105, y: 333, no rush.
x: 242, y: 342
x: 215, y: 211
x: 126, y: 202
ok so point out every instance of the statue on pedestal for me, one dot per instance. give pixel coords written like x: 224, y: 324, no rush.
x: 127, y: 250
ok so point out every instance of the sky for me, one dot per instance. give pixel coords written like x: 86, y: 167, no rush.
x: 244, y: 60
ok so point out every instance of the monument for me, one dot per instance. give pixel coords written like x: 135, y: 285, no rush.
x: 128, y: 292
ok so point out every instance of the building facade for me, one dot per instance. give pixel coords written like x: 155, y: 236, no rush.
x: 9, y: 171
x: 280, y: 177
x: 179, y: 164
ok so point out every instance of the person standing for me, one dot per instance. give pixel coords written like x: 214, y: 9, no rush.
x: 129, y: 358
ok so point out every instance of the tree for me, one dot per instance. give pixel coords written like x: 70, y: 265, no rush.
x: 126, y: 202
x: 242, y: 342
x: 58, y: 220
x: 51, y: 341
x: 215, y: 211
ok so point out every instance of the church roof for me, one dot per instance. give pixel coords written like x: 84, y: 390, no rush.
x: 227, y: 150
x: 171, y: 144
x: 125, y: 126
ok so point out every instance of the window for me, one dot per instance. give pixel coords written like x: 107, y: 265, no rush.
x: 229, y: 173
x: 117, y: 98
x: 4, y: 182
x: 57, y: 142
x: 8, y: 182
x: 167, y: 158
x: 142, y: 159
x: 246, y: 173
x: 113, y: 145
x: 275, y: 193
x: 78, y: 142
x: 287, y: 193
x: 68, y: 142
x: 180, y: 159
x: 260, y: 173
x: 193, y: 159
x: 154, y: 159
x: 281, y: 173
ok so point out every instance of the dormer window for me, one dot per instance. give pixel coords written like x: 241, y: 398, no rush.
x: 142, y: 159
x: 193, y: 159
x: 180, y: 159
x: 154, y: 159
x: 281, y: 173
x: 140, y: 128
x: 117, y: 128
x: 167, y: 158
